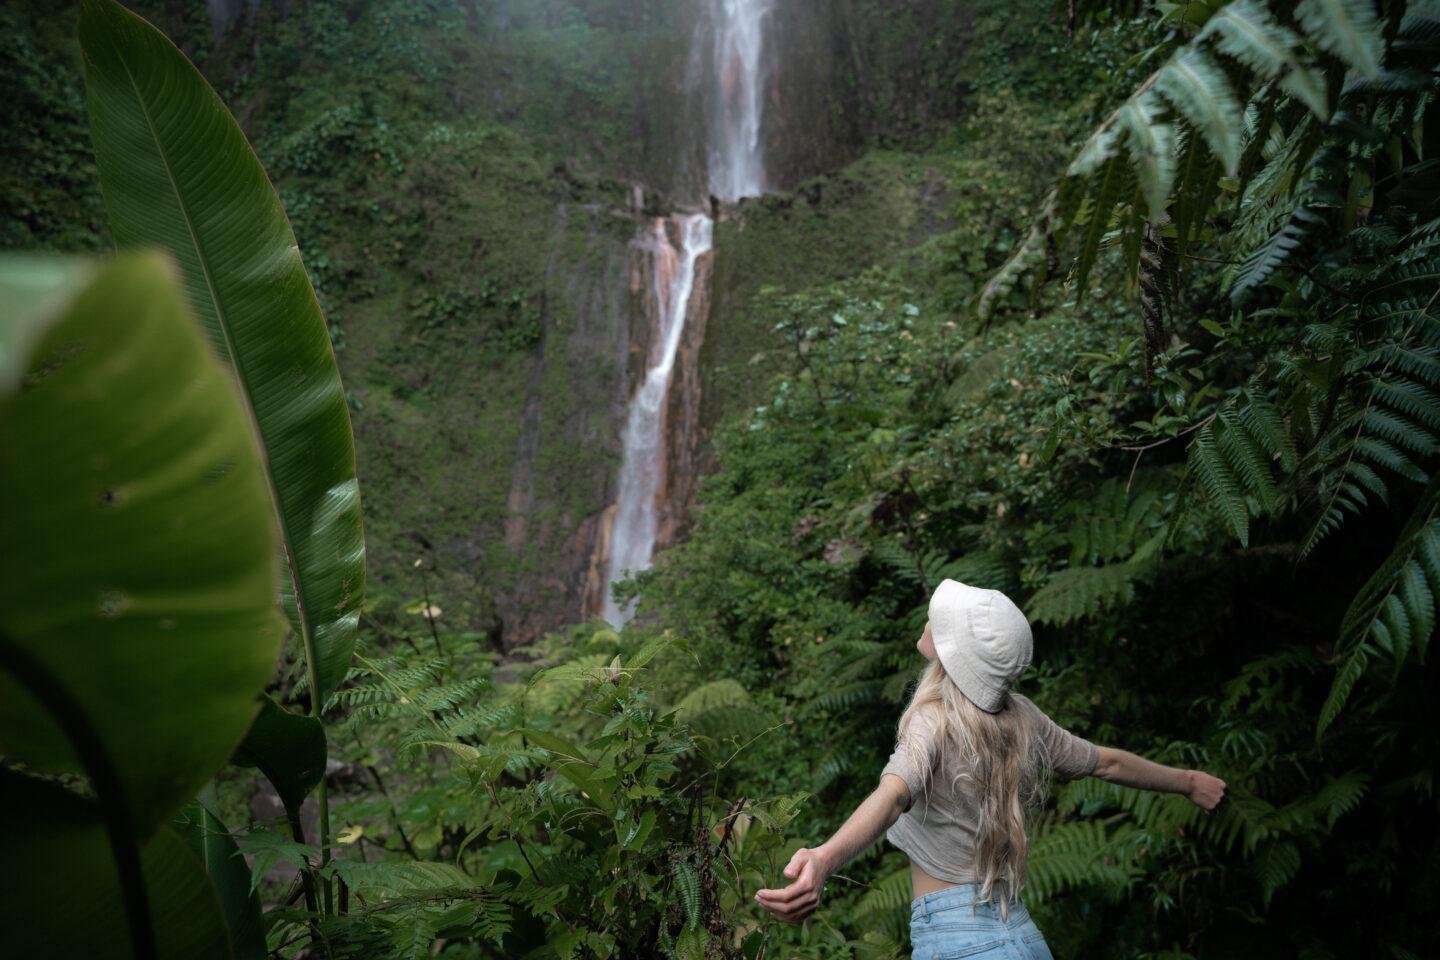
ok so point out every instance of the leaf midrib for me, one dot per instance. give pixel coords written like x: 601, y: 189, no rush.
x: 306, y: 632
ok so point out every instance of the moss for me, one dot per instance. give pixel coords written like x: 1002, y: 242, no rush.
x: 826, y: 229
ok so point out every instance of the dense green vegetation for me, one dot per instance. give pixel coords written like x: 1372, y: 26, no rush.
x: 1146, y: 337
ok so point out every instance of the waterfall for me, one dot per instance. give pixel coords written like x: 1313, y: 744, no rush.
x: 737, y: 166
x: 642, y: 471
x: 736, y: 170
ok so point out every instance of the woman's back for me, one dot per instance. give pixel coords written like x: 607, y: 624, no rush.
x: 941, y: 830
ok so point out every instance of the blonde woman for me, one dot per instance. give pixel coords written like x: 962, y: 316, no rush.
x: 970, y: 756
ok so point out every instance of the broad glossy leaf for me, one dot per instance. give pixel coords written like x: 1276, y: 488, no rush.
x: 288, y: 748
x: 137, y: 556
x: 63, y: 894
x: 229, y: 876
x: 177, y: 172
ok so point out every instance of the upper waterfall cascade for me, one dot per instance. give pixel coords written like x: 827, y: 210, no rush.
x: 736, y: 169
x: 737, y: 165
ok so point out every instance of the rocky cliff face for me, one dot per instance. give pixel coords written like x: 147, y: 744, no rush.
x: 489, y: 190
x: 561, y: 493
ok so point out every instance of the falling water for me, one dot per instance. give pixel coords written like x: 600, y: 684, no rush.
x: 736, y: 169
x: 632, y: 538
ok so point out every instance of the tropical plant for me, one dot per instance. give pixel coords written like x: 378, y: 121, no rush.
x: 148, y: 729
x: 176, y: 172
x: 137, y: 616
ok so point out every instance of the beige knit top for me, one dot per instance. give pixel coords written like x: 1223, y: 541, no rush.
x: 937, y: 831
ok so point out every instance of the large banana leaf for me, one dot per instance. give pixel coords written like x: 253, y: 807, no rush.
x: 177, y: 172
x: 65, y: 897
x: 137, y: 555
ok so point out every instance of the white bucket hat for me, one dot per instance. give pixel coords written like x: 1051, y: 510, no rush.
x: 982, y: 639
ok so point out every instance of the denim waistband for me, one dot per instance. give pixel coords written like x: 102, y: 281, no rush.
x: 963, y: 896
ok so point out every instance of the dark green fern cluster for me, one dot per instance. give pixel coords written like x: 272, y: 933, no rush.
x: 1291, y: 144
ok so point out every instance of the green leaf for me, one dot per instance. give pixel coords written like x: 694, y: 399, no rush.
x: 388, y: 880
x: 65, y: 896
x: 177, y: 172
x: 229, y: 875
x: 289, y: 749
x: 1246, y: 31
x: 1152, y: 147
x: 137, y: 608
x: 1196, y: 85
x: 1346, y: 28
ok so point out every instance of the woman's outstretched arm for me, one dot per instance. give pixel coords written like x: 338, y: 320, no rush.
x: 1128, y: 770
x: 810, y: 867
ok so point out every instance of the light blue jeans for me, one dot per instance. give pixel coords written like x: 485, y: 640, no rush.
x: 949, y: 924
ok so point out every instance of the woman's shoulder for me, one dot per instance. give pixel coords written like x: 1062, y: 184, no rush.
x: 1024, y: 704
x: 928, y: 717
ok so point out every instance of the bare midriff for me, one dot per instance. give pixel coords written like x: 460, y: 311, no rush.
x: 922, y: 883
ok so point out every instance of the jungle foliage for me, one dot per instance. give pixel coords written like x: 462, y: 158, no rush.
x: 1177, y: 395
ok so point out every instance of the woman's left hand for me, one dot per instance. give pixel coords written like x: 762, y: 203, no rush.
x: 797, y: 901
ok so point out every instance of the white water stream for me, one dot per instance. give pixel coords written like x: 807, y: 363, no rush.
x: 737, y: 162
x: 736, y: 169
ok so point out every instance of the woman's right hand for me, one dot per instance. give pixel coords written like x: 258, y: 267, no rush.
x: 797, y: 901
x: 1205, y: 791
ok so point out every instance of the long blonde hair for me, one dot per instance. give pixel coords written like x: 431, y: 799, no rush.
x: 1001, y: 764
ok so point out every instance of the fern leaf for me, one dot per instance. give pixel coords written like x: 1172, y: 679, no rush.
x: 1201, y: 93
x: 1342, y: 795
x: 1219, y: 483
x: 1276, y: 864
x: 1111, y: 183
x: 1264, y: 421
x: 1308, y: 86
x: 1273, y: 253
x: 1151, y: 145
x: 1102, y: 145
x: 1030, y: 252
x: 1347, y: 28
x: 887, y: 903
x: 1079, y: 592
x: 687, y: 884
x: 1246, y: 31
x: 1247, y: 460
x: 1391, y: 607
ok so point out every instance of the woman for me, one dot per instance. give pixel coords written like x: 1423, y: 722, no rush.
x: 970, y: 756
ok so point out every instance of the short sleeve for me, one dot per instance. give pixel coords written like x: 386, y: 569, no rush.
x: 915, y: 752
x: 1071, y: 757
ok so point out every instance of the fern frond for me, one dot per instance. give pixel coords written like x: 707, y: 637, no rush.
x: 1071, y: 855
x: 1199, y: 90
x: 1347, y: 28
x: 1078, y: 592
x: 687, y: 885
x: 1395, y: 610
x: 1276, y: 864
x: 1273, y: 253
x: 1111, y: 183
x: 1219, y: 483
x: 887, y: 903
x: 1151, y: 145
